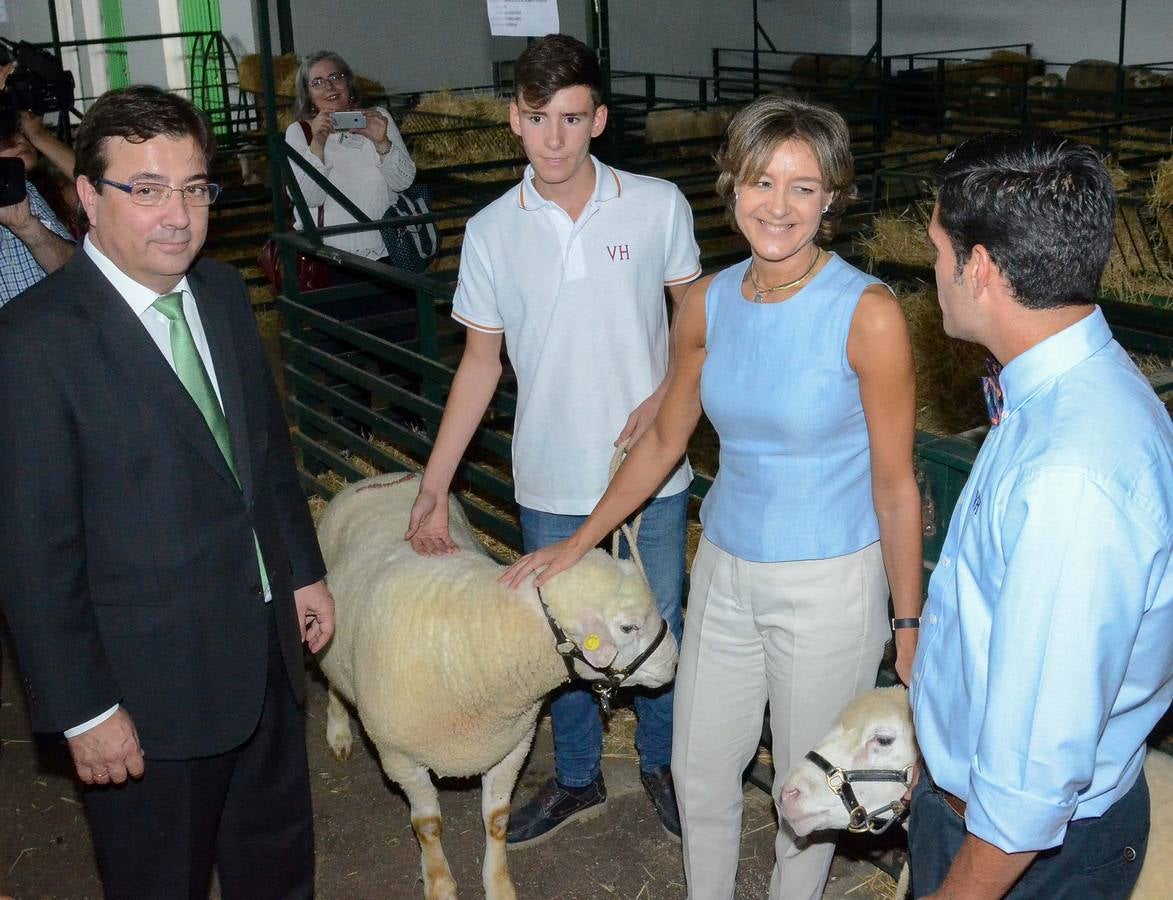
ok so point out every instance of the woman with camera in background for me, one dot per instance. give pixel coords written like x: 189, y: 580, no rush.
x: 369, y: 164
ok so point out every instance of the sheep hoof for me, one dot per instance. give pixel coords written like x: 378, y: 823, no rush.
x: 340, y: 739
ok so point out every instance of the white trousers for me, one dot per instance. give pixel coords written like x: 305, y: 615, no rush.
x: 808, y: 637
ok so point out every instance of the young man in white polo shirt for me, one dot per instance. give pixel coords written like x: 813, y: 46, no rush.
x: 570, y: 268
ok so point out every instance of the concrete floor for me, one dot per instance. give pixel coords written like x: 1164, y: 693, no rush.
x: 365, y: 846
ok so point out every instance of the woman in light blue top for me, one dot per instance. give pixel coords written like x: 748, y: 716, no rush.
x: 803, y: 365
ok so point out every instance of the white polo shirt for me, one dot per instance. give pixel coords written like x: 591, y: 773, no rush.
x: 583, y: 311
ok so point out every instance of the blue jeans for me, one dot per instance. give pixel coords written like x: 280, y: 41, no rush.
x: 578, y: 730
x: 1099, y: 859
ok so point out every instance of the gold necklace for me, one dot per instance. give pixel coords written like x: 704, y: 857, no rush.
x: 759, y: 290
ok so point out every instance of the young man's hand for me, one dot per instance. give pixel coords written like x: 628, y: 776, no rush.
x: 427, y: 529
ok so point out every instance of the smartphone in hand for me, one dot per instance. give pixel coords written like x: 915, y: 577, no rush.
x: 348, y: 120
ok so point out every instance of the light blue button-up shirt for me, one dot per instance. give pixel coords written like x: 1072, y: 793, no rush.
x: 1046, y: 648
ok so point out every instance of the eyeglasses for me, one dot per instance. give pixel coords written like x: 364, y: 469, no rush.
x: 150, y: 193
x: 334, y: 77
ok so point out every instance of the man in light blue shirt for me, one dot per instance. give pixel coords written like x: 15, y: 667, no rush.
x: 1046, y: 649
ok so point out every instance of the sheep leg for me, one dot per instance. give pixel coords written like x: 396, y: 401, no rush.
x: 496, y: 788
x: 416, y: 782
x: 338, y: 734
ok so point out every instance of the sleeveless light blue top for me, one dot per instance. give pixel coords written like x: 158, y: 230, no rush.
x: 794, y: 479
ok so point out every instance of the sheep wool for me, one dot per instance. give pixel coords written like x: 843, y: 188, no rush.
x: 447, y: 667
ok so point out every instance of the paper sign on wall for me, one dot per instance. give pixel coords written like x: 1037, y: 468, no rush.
x: 522, y: 18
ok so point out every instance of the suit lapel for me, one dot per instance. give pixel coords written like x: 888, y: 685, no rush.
x: 222, y: 348
x: 131, y: 354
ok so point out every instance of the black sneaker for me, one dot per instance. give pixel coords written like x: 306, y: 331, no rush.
x: 658, y: 783
x: 552, y: 807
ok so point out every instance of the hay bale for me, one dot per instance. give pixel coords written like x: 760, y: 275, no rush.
x: 447, y: 129
x: 1120, y: 179
x: 948, y: 371
x: 481, y: 106
x: 1161, y: 196
x: 664, y: 125
x: 1132, y: 285
x: 899, y: 239
x: 1096, y: 76
x: 814, y: 67
x: 248, y: 70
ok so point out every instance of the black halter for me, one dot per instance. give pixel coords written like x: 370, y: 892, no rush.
x: 612, y: 677
x: 859, y: 819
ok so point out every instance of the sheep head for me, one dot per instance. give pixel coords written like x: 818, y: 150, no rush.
x: 874, y: 732
x: 605, y: 606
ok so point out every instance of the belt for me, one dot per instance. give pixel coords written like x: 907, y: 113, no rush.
x: 954, y: 802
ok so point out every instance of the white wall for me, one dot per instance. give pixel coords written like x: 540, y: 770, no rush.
x: 1061, y: 32
x: 422, y: 44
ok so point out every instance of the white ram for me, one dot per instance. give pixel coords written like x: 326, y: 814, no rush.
x: 875, y: 732
x: 447, y: 668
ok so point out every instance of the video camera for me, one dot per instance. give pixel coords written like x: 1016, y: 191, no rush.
x: 38, y: 85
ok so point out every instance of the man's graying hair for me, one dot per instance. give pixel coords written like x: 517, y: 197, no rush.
x: 1043, y: 206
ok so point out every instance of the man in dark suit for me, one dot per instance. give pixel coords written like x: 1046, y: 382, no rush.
x: 160, y: 570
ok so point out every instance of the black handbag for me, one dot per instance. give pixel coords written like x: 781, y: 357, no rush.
x: 411, y: 247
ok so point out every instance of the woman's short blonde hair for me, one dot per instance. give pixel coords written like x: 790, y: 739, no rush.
x: 757, y: 130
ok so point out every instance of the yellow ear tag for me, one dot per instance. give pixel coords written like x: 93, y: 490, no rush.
x: 591, y: 643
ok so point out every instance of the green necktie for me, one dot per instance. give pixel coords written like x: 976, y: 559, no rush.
x: 191, y: 371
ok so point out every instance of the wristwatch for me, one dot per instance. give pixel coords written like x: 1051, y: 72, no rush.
x: 906, y: 623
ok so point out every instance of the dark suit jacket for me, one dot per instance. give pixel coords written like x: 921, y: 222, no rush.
x: 127, y: 566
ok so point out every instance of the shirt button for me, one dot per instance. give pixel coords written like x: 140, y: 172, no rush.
x: 933, y: 619
x: 945, y: 561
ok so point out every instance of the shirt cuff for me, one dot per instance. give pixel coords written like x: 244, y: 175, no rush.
x: 1012, y: 820
x: 92, y: 723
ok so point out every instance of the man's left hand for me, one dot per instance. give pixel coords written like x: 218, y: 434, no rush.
x: 315, y: 614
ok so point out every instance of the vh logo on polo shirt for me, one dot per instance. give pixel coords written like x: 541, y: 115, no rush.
x: 618, y: 252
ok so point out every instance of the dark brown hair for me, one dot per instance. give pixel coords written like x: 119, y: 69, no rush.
x: 137, y: 114
x: 552, y: 63
x: 1042, y: 205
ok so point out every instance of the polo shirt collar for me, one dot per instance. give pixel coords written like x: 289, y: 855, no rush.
x: 1049, y: 359
x: 138, y: 296
x: 607, y: 187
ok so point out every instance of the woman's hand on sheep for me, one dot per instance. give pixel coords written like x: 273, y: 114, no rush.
x: 548, y: 561
x: 427, y: 529
x: 315, y: 614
